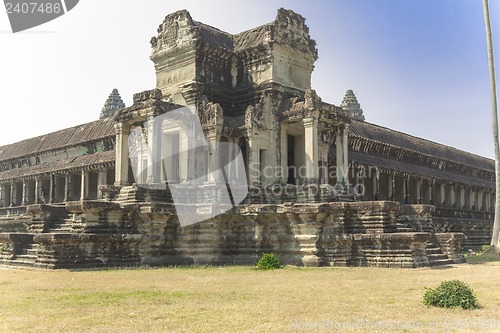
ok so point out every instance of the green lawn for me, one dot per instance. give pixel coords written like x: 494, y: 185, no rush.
x: 243, y: 299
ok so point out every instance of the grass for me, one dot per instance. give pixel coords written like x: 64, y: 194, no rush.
x: 242, y: 299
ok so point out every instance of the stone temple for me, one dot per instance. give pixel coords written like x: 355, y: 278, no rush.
x: 349, y: 193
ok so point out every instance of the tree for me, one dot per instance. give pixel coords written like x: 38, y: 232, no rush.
x: 489, y: 42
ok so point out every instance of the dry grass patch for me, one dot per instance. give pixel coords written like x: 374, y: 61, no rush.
x: 230, y: 299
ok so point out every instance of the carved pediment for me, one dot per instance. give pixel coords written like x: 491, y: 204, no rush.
x: 211, y: 115
x: 176, y: 29
x: 291, y: 29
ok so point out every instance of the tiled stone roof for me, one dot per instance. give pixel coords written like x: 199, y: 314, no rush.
x: 68, y: 137
x: 106, y: 158
x: 409, y: 142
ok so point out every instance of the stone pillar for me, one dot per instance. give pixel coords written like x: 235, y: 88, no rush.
x: 392, y: 187
x: 443, y: 195
x: 453, y: 198
x: 103, y: 176
x: 52, y: 189
x: 154, y: 148
x: 419, y: 191
x: 473, y: 202
x: 67, y: 187
x: 488, y: 201
x: 342, y: 154
x: 25, y: 193
x: 375, y: 186
x: 462, y: 198
x: 284, y: 153
x: 253, y: 162
x: 406, y: 186
x: 431, y: 192
x: 85, y: 185
x: 13, y: 194
x: 480, y: 196
x: 37, y: 190
x: 311, y: 148
x: 121, y: 170
x: 2, y: 196
x: 213, y: 158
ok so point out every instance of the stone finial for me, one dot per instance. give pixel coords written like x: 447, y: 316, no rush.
x: 113, y: 103
x: 351, y: 106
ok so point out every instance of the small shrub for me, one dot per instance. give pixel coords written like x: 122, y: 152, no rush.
x: 451, y: 294
x: 268, y: 261
x: 484, y: 248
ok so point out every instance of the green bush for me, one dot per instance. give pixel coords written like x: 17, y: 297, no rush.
x: 268, y: 261
x: 451, y: 294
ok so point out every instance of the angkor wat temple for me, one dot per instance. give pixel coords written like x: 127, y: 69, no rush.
x: 349, y: 193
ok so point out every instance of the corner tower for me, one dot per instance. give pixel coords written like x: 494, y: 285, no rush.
x: 194, y: 59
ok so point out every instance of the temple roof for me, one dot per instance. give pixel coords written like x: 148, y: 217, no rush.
x: 253, y: 37
x: 405, y: 141
x: 214, y: 37
x: 106, y: 158
x: 68, y: 137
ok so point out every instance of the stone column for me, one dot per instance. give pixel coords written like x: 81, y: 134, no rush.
x: 473, y: 202
x: 67, y: 187
x: 2, y: 196
x: 488, y: 201
x: 392, y: 187
x: 154, y: 148
x: 342, y: 154
x: 253, y: 162
x: 13, y: 194
x: 121, y: 170
x: 453, y: 202
x: 431, y: 192
x: 25, y: 193
x: 37, y: 190
x: 52, y: 189
x: 311, y: 148
x: 462, y: 197
x: 212, y: 157
x: 406, y: 185
x: 103, y: 176
x: 284, y: 153
x: 419, y: 191
x: 375, y: 186
x: 85, y: 185
x: 480, y: 196
x: 443, y: 195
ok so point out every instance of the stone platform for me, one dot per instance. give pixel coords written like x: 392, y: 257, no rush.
x: 107, y: 234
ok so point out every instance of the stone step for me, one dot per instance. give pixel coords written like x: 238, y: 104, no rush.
x: 439, y: 262
x: 61, y: 227
x: 21, y: 263
x: 433, y: 250
x: 437, y: 256
x: 26, y: 258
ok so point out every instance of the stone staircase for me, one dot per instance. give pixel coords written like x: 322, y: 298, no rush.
x: 26, y: 256
x: 436, y: 255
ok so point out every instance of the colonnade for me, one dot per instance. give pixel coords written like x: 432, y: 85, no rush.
x: 54, y: 188
x: 413, y: 189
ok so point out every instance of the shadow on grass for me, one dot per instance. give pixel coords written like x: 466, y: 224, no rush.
x: 489, y: 255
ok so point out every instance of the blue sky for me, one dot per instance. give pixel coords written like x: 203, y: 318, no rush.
x: 416, y: 66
